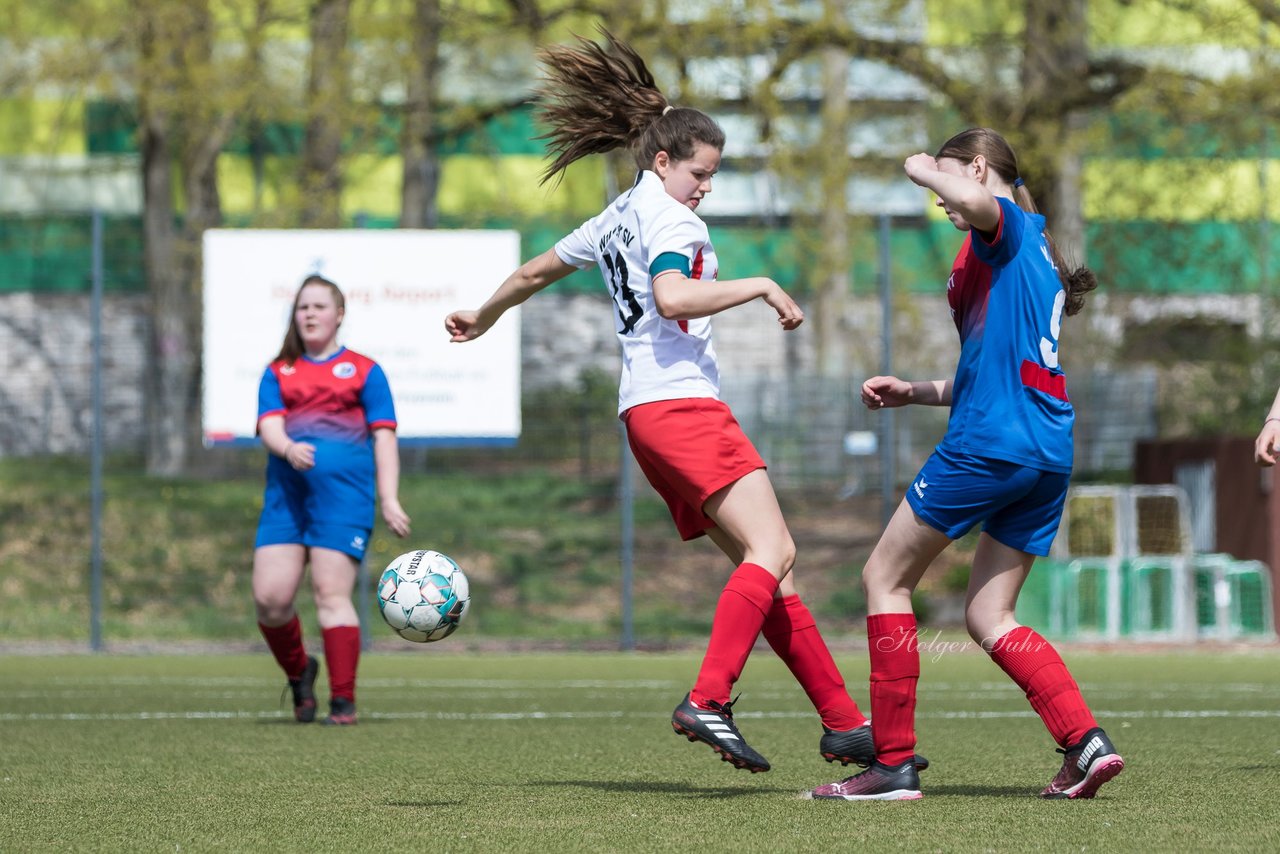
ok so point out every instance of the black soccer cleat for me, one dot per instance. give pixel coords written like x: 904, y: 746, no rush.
x: 854, y: 747
x: 877, y: 783
x: 715, y: 727
x: 1086, y: 765
x: 342, y: 712
x: 304, y: 695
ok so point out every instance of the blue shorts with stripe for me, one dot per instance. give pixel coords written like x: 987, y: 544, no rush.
x: 1018, y: 505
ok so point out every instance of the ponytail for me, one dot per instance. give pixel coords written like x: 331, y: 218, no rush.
x: 596, y: 99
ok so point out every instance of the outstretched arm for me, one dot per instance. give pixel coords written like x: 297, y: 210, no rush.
x: 888, y: 392
x: 680, y: 298
x: 531, y: 277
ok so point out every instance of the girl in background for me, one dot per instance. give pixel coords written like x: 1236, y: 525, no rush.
x: 326, y: 416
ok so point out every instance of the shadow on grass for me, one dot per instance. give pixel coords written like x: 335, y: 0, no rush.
x: 982, y: 791
x: 422, y: 804
x: 319, y: 722
x: 633, y: 786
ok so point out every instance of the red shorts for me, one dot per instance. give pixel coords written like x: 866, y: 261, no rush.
x: 689, y: 449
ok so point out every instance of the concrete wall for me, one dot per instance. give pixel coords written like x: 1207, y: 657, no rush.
x: 45, y: 348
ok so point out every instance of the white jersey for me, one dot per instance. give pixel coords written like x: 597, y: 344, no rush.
x: 642, y: 233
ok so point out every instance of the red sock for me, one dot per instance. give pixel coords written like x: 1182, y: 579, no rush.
x: 744, y: 602
x: 341, y: 654
x: 1035, y: 665
x: 794, y: 636
x: 285, y: 643
x: 895, y: 669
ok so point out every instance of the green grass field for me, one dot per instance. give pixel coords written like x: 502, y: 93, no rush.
x: 463, y: 751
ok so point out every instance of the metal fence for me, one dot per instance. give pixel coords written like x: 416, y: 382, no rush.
x: 77, y: 359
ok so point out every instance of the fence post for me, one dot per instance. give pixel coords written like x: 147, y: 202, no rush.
x: 888, y: 475
x: 96, y: 438
x: 626, y: 501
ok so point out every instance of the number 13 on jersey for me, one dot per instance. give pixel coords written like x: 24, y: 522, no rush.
x: 624, y: 298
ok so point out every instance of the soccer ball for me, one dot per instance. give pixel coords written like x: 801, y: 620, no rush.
x: 423, y: 595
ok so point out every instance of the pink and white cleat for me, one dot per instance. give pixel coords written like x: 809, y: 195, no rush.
x: 878, y: 783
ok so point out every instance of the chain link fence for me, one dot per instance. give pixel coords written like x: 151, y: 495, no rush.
x: 176, y: 552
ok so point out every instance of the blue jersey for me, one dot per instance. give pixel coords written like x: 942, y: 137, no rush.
x: 334, y: 404
x: 1009, y: 398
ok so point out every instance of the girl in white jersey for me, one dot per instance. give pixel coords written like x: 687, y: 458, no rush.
x: 660, y: 268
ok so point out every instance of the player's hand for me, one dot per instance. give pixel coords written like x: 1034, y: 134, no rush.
x: 918, y: 165
x: 1264, y: 449
x: 393, y: 514
x: 464, y: 326
x: 301, y: 455
x: 789, y: 313
x: 885, y: 393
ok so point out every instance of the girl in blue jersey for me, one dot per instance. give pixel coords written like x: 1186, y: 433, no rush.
x: 326, y: 416
x: 1005, y: 462
x: 661, y: 270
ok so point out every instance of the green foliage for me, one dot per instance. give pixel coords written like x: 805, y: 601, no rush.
x: 541, y: 548
x: 956, y: 579
x: 847, y: 598
x: 581, y: 421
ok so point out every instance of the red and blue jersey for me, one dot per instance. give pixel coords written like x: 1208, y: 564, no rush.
x: 342, y: 398
x: 1009, y: 398
x: 334, y: 404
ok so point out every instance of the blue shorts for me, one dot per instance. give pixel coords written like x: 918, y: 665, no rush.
x: 300, y: 508
x: 1020, y: 506
x: 325, y: 535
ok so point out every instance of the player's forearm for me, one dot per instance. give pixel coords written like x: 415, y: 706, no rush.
x: 1274, y: 412
x: 681, y: 298
x: 386, y: 461
x: 967, y: 197
x: 931, y: 392
x: 274, y: 438
x: 529, y: 278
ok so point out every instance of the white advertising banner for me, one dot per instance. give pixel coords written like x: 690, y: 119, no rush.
x: 399, y: 285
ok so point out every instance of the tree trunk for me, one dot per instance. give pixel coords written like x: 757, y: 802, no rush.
x: 176, y: 128
x: 1055, y: 63
x: 169, y: 340
x: 421, y: 165
x: 831, y: 302
x: 327, y: 98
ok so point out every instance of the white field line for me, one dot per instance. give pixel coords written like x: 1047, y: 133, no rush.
x: 605, y: 715
x: 767, y: 690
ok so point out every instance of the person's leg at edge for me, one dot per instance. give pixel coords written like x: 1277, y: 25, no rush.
x: 747, y: 512
x: 891, y: 574
x: 277, y: 574
x: 1031, y: 661
x: 333, y: 579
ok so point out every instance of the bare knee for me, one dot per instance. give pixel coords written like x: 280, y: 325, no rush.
x: 787, y: 555
x: 777, y: 556
x: 273, y: 610
x: 878, y: 578
x: 986, y: 627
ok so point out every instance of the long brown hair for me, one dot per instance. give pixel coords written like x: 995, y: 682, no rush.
x: 293, y: 348
x: 966, y: 145
x: 597, y: 99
